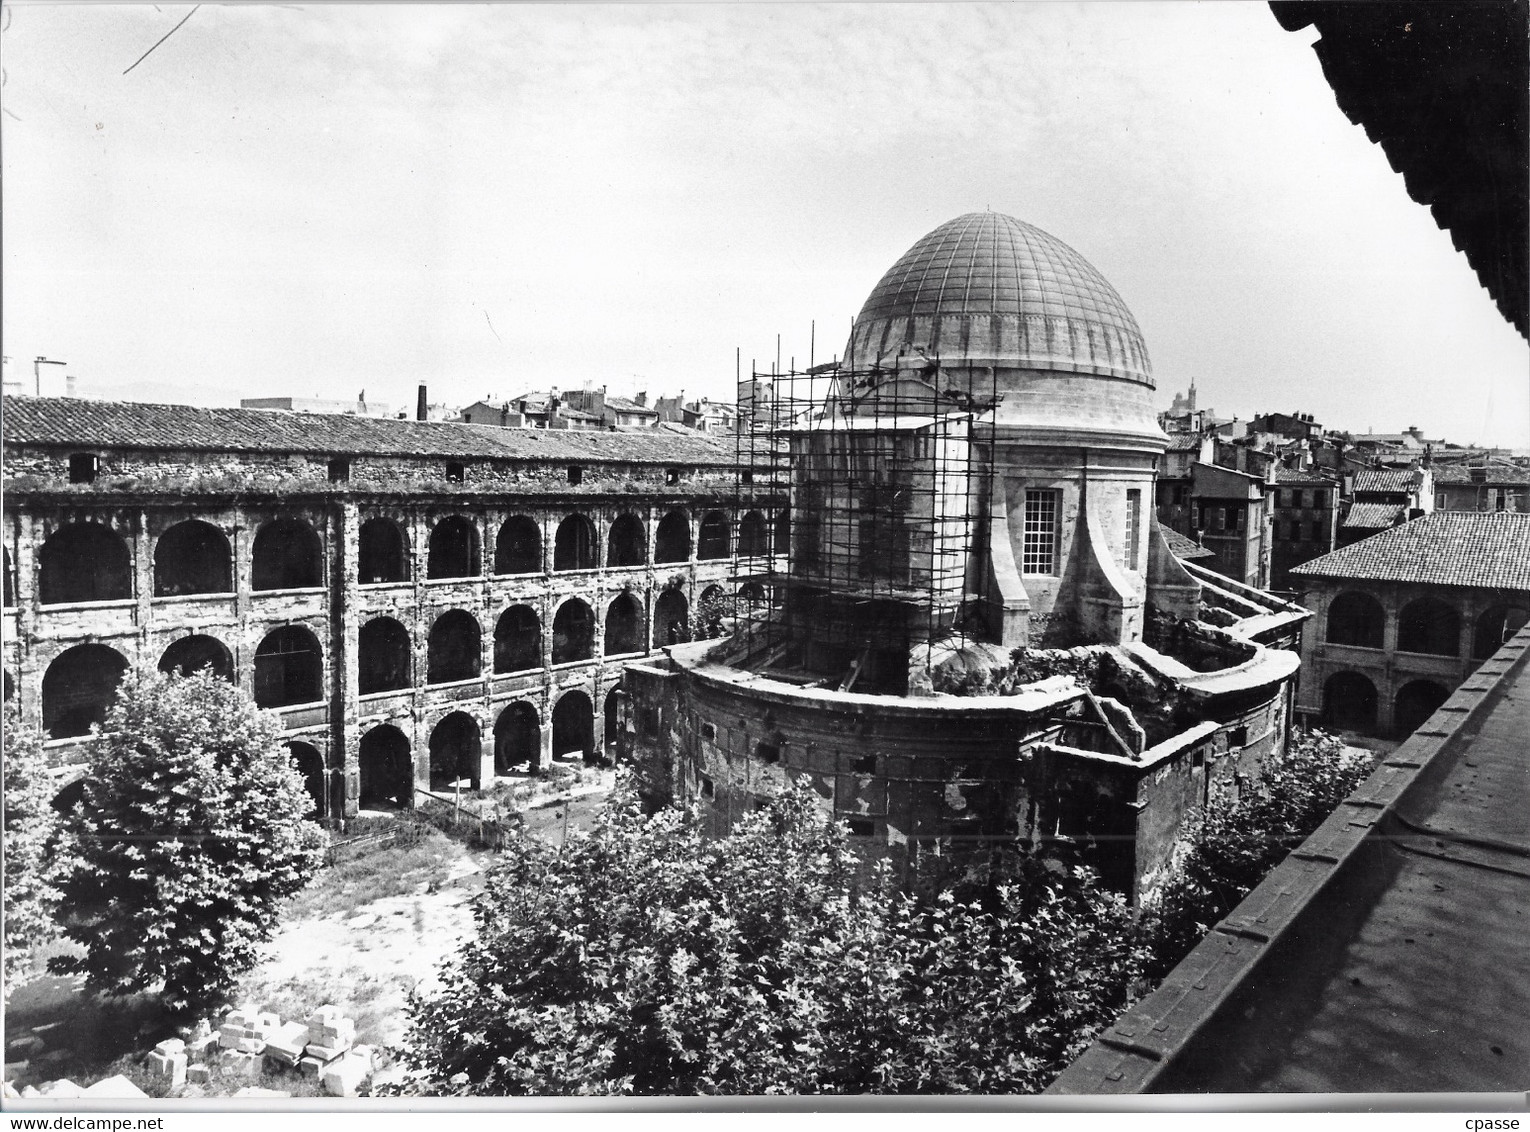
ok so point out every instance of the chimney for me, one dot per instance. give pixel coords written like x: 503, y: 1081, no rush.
x: 422, y: 406
x: 641, y: 399
x: 69, y: 385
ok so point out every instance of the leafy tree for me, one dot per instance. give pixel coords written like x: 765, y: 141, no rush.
x: 648, y: 958
x: 1235, y: 843
x: 31, y: 854
x: 190, y: 835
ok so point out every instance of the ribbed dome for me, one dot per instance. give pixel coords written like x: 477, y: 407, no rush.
x: 987, y: 289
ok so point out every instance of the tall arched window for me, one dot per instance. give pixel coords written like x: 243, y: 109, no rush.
x: 1429, y: 625
x: 384, y: 658
x: 518, y: 640
x: 624, y: 626
x: 84, y: 562
x: 627, y: 543
x: 672, y: 541
x: 289, y: 668
x: 517, y: 739
x: 1495, y: 625
x: 574, y: 546
x: 518, y: 549
x: 387, y: 770
x: 78, y: 689
x: 713, y: 541
x: 454, y: 648
x: 192, y: 557
x: 573, y: 632
x: 382, y: 553
x: 1349, y: 703
x: 574, y: 726
x: 310, y: 764
x: 192, y: 653
x: 1356, y: 619
x: 671, y: 619
x: 453, y: 549
x: 753, y: 536
x: 454, y: 748
x: 1416, y: 702
x: 286, y: 556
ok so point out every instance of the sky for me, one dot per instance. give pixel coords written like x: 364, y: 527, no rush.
x: 316, y: 200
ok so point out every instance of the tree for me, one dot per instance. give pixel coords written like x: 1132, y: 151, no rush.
x: 1236, y: 842
x: 647, y: 958
x: 190, y: 835
x: 31, y: 855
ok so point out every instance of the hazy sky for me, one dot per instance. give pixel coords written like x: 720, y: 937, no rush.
x: 312, y: 200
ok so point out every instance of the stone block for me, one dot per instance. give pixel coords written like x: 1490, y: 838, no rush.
x: 251, y: 1045
x: 24, y: 1047
x: 287, y: 1041
x: 345, y: 1076
x: 170, y: 1047
x: 114, y: 1088
x: 325, y: 1054
x: 237, y: 1063
x: 311, y: 1066
x: 199, y: 1074
x: 326, y: 1015
x: 170, y: 1067
x: 204, y: 1045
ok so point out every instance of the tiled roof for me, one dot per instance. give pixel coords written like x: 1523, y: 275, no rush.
x: 67, y: 422
x: 1184, y: 442
x: 1448, y: 548
x: 1385, y: 479
x: 1374, y: 516
x: 1494, y: 474
x: 622, y: 405
x: 1184, y: 547
x: 1294, y: 476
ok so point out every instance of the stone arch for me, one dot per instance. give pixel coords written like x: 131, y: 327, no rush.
x: 752, y: 597
x: 192, y: 653
x: 672, y: 541
x: 714, y: 612
x: 1416, y: 701
x: 624, y: 626
x: 1429, y: 625
x: 753, y: 534
x: 193, y: 557
x: 1356, y: 618
x: 671, y: 618
x: 518, y: 548
x: 386, y: 769
x: 627, y: 542
x: 611, y: 712
x: 1495, y: 625
x: 518, y: 739
x: 575, y: 545
x: 714, y: 539
x: 454, y: 750
x: 781, y: 532
x: 453, y: 549
x: 286, y: 555
x: 455, y: 648
x: 289, y: 668
x: 573, y: 632
x: 518, y: 640
x: 78, y: 689
x: 84, y: 562
x: 310, y: 764
x: 573, y: 726
x: 1349, y: 702
x: 382, y: 552
x: 384, y: 657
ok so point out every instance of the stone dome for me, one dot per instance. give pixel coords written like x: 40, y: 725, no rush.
x: 989, y: 290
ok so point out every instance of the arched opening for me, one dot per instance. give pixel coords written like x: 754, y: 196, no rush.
x: 454, y: 650
x: 387, y: 770
x: 612, y: 716
x: 574, y: 727
x: 286, y: 556
x: 672, y: 541
x: 310, y: 764
x: 518, y: 640
x: 1416, y: 702
x: 78, y: 689
x: 10, y: 591
x: 517, y: 739
x: 1429, y: 625
x: 192, y: 558
x: 753, y: 536
x: 574, y: 546
x: 714, y: 613
x: 382, y: 553
x: 624, y: 625
x: 289, y: 668
x: 671, y: 619
x: 384, y: 659
x: 752, y: 597
x: 626, y: 545
x: 573, y: 632
x: 1495, y: 625
x: 453, y: 549
x: 1356, y: 619
x: 454, y: 746
x: 10, y: 687
x: 191, y: 654
x: 713, y: 540
x: 781, y: 533
x: 84, y: 562
x: 518, y: 549
x: 1349, y: 703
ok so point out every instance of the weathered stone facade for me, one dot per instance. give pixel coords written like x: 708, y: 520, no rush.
x: 390, y: 608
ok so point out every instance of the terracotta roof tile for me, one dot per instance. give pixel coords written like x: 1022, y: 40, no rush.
x: 1184, y: 547
x: 1374, y: 516
x: 1493, y: 475
x: 1385, y: 479
x: 1448, y: 548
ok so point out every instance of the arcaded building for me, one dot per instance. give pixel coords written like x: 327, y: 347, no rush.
x: 423, y: 604
x: 981, y: 633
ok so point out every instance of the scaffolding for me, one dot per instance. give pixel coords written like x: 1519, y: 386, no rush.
x: 885, y: 473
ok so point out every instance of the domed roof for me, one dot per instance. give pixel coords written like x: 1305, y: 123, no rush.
x: 987, y: 289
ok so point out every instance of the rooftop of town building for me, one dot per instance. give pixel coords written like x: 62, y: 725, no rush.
x: 1448, y: 548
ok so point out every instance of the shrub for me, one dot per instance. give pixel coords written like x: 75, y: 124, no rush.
x: 32, y: 864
